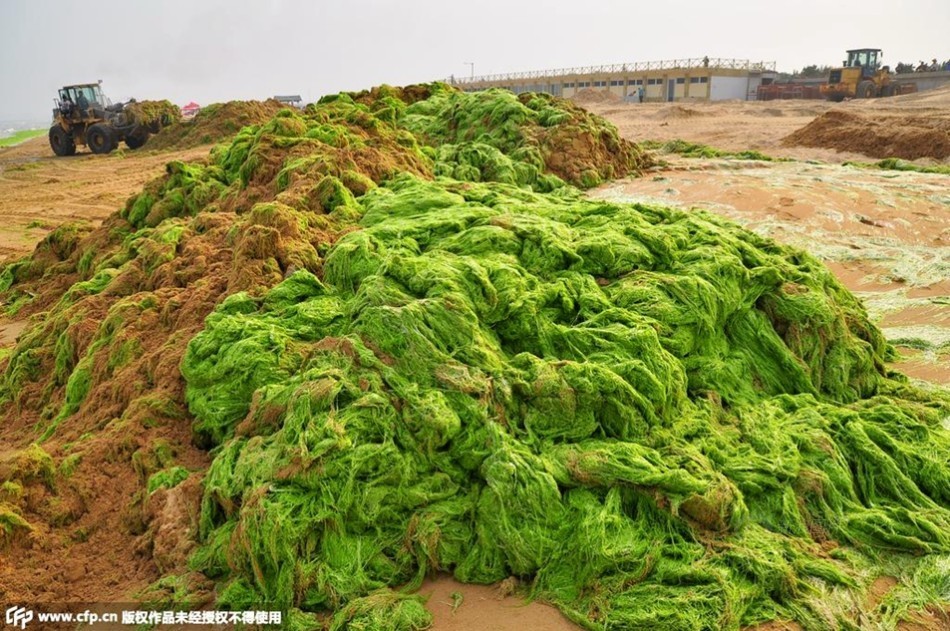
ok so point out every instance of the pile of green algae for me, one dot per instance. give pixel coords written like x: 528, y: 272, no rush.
x: 432, y: 353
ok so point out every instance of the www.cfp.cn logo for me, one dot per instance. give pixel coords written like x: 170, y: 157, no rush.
x: 19, y: 616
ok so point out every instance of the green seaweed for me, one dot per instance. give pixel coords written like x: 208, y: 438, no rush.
x: 896, y: 164
x: 578, y: 393
x: 696, y: 150
x: 11, y: 522
x: 383, y: 611
x: 494, y: 135
x: 421, y: 349
x: 927, y: 584
x: 166, y: 478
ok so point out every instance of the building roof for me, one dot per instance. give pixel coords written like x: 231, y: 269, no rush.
x: 290, y: 98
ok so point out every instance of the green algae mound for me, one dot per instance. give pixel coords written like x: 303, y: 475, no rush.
x: 268, y: 202
x: 495, y: 136
x: 214, y: 123
x: 412, y: 345
x: 658, y: 417
x: 154, y: 114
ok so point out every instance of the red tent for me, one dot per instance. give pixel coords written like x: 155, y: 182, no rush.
x: 191, y: 109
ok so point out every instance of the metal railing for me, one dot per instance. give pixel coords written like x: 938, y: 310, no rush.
x: 613, y: 69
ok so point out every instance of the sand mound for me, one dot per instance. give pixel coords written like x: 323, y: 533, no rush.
x: 411, y: 347
x: 773, y: 111
x: 589, y: 96
x: 678, y: 112
x: 214, y: 123
x: 907, y: 137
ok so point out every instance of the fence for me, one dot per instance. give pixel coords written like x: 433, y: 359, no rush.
x: 613, y: 69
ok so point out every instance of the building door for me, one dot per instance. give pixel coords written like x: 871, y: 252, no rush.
x: 670, y: 89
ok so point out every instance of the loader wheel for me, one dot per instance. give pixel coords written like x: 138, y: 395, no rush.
x: 100, y: 138
x: 61, y: 142
x: 136, y: 138
x: 866, y: 90
x: 889, y: 90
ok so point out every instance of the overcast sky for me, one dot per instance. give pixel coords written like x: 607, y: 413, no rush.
x: 215, y: 50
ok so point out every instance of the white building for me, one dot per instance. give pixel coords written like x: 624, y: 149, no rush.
x: 703, y: 79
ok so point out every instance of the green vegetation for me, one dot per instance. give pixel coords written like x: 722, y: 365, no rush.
x: 411, y: 345
x: 928, y: 583
x: 382, y: 611
x: 495, y: 382
x: 21, y: 136
x: 166, y: 479
x: 154, y: 114
x: 694, y: 150
x: 18, y: 469
x: 495, y: 135
x: 896, y: 164
x: 11, y: 522
x: 214, y: 123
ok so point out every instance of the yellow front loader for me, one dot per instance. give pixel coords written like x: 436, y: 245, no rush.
x: 861, y: 77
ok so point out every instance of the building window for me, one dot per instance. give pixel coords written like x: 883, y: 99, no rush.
x: 654, y: 81
x: 615, y: 82
x: 583, y: 84
x: 694, y: 79
x: 680, y: 80
x: 704, y: 79
x: 569, y: 85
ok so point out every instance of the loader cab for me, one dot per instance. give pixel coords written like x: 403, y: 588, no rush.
x: 69, y: 99
x: 92, y: 92
x: 867, y: 59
